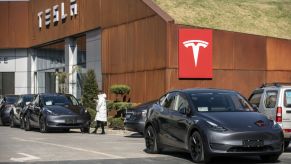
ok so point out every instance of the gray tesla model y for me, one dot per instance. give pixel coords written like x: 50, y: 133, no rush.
x: 211, y: 122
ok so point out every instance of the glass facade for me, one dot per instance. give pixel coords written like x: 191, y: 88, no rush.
x: 7, y: 83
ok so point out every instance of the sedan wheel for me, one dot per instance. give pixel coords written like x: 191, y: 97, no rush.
x: 27, y: 125
x: 197, y: 149
x: 12, y: 122
x: 42, y: 125
x: 151, y: 141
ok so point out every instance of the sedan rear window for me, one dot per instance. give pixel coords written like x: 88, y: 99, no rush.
x: 220, y: 102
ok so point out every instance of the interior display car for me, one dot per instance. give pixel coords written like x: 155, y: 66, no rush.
x: 56, y: 111
x: 6, y: 107
x: 209, y: 123
x: 135, y: 117
x: 274, y: 101
x: 17, y: 108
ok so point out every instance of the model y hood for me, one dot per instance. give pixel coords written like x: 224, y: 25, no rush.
x: 64, y: 110
x: 238, y: 121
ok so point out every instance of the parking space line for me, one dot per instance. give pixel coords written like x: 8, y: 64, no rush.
x: 69, y: 147
x: 27, y: 157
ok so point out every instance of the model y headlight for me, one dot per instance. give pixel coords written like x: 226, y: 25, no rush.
x: 215, y: 127
x: 50, y: 112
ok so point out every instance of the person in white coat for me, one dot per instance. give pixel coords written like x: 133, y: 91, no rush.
x: 101, y: 112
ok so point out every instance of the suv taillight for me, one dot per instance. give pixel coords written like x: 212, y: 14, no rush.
x: 279, y: 115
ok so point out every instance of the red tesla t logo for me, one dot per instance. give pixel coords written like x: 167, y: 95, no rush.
x: 195, y: 53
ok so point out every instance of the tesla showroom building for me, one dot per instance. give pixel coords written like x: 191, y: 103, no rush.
x: 145, y: 44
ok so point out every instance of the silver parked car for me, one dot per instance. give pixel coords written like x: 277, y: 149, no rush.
x: 274, y: 101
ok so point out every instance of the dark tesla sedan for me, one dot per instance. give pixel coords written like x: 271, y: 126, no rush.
x: 211, y: 122
x: 56, y: 111
x: 18, y: 108
x: 6, y: 107
x: 135, y: 117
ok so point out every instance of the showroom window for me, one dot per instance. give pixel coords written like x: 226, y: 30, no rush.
x: 7, y: 84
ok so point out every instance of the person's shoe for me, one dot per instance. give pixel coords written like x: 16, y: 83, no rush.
x: 94, y: 132
x: 103, y: 133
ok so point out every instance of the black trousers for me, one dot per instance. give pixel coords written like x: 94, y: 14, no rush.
x: 98, y: 124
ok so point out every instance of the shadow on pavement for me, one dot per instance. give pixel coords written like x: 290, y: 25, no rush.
x: 134, y: 135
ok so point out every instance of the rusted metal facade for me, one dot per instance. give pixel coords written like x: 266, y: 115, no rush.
x: 140, y: 46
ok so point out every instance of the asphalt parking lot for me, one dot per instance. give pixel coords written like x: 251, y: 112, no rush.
x: 17, y: 145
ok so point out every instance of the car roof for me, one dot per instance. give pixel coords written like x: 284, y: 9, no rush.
x: 11, y: 95
x: 53, y: 94
x: 205, y: 90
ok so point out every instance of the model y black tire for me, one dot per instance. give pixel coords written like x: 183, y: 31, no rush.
x: 270, y: 158
x: 196, y: 148
x: 85, y: 130
x: 21, y: 123
x: 27, y: 126
x: 42, y: 125
x: 11, y: 120
x: 286, y: 144
x: 151, y: 141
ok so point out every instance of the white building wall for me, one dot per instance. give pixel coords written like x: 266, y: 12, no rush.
x: 17, y: 61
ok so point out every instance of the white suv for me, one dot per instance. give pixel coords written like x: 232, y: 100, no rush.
x: 274, y: 101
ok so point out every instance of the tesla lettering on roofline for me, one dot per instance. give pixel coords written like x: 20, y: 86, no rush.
x: 194, y: 61
x: 73, y: 12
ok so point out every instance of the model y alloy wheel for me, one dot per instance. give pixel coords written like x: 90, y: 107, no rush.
x: 42, y: 125
x: 11, y: 119
x: 151, y: 141
x: 197, y: 149
x: 27, y: 125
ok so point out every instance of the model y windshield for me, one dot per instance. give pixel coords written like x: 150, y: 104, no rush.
x: 220, y: 102
x: 56, y: 100
x: 11, y: 100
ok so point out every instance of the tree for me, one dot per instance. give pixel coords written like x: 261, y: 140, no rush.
x: 90, y: 91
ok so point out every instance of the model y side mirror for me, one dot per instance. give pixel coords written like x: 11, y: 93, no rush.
x: 186, y: 111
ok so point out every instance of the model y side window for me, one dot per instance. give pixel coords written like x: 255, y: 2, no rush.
x: 180, y: 104
x: 271, y: 99
x: 168, y: 100
x: 255, y: 98
x: 287, y: 99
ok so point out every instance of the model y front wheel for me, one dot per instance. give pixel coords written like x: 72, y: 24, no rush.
x: 27, y: 125
x: 11, y: 119
x: 42, y: 125
x: 196, y: 148
x: 151, y: 141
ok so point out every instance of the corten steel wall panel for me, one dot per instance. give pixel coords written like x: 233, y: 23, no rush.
x: 137, y: 46
x: 14, y: 25
x: 241, y: 80
x: 278, y: 76
x: 89, y: 14
x: 70, y: 26
x: 249, y: 52
x: 116, y: 12
x: 145, y: 86
x: 278, y: 54
x: 4, y: 14
x: 18, y: 24
x: 92, y: 14
x: 223, y: 49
